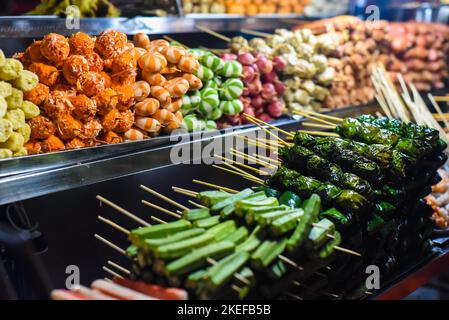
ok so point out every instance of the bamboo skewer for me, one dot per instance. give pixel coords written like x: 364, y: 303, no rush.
x: 182, y: 191
x: 324, y: 116
x: 256, y: 143
x: 266, y: 158
x: 110, y: 244
x: 119, y: 267
x: 251, y: 158
x: 305, y: 114
x: 161, y: 196
x: 318, y: 125
x: 267, y: 124
x: 196, y: 204
x: 157, y: 220
x: 154, y: 206
x: 233, y: 167
x: 256, y: 33
x: 438, y: 109
x: 113, y: 273
x: 125, y: 212
x: 208, y: 184
x: 258, y: 171
x: 114, y: 225
x: 267, y: 131
x: 259, y: 181
x: 441, y: 98
x: 213, y: 33
x: 319, y: 133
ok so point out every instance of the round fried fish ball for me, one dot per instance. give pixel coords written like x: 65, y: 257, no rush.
x: 58, y: 103
x: 90, y: 130
x: 110, y: 137
x: 41, y: 127
x: 16, y: 117
x: 38, y: 94
x: 11, y: 69
x: 47, y: 74
x: 91, y: 83
x: 111, y: 43
x: 81, y: 43
x: 75, y: 143
x: 33, y: 147
x: 25, y: 131
x: 51, y: 144
x: 125, y: 121
x: 3, y: 107
x: 74, y: 67
x: 6, y: 129
x: 85, y: 108
x: 5, y: 153
x: 67, y: 127
x: 94, y: 61
x: 5, y: 89
x: 14, y: 142
x: 55, y: 48
x: 21, y: 152
x: 30, y: 109
x: 26, y: 81
x: 15, y: 99
x: 106, y: 100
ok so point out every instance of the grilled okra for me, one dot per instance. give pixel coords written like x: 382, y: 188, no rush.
x: 253, y: 212
x: 286, y: 223
x: 222, y: 230
x: 267, y: 252
x: 151, y: 244
x: 178, y: 249
x: 158, y: 231
x: 210, y: 198
x: 238, y: 236
x: 217, y: 207
x: 207, y: 223
x: 318, y: 235
x: 196, y: 214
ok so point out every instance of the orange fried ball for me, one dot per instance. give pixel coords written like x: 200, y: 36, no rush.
x: 48, y: 75
x: 90, y: 129
x: 123, y: 65
x: 106, y: 100
x: 41, y: 127
x: 111, y: 43
x: 75, y: 143
x: 33, y: 53
x: 81, y: 43
x: 107, y: 79
x: 74, y: 67
x: 125, y: 121
x: 110, y: 137
x: 84, y: 107
x: 58, y: 103
x: 94, y: 61
x: 55, y: 48
x: 67, y: 127
x: 125, y: 95
x: 109, y: 120
x: 38, y: 94
x: 33, y: 147
x: 91, y: 83
x: 52, y: 143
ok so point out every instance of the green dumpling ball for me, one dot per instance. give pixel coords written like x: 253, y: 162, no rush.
x: 25, y: 131
x: 30, y: 110
x: 26, y: 81
x: 15, y: 100
x: 5, y: 89
x: 14, y: 143
x: 3, y: 107
x: 21, y: 152
x: 5, y: 130
x: 11, y: 69
x: 16, y: 117
x: 5, y: 153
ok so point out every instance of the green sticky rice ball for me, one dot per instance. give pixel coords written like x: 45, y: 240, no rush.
x: 26, y: 81
x: 5, y: 153
x: 5, y: 89
x: 3, y: 107
x: 14, y: 143
x: 21, y: 152
x: 11, y: 69
x: 25, y: 131
x: 2, y: 58
x: 16, y: 117
x: 5, y: 129
x: 30, y: 109
x: 15, y: 99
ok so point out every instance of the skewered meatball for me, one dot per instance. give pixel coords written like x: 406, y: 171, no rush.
x: 58, y: 103
x: 106, y: 100
x: 52, y: 143
x: 110, y: 137
x: 91, y: 83
x: 55, y: 48
x: 75, y: 143
x: 81, y: 43
x: 111, y: 43
x: 47, y: 74
x: 94, y: 61
x: 74, y: 67
x: 38, y: 94
x: 41, y: 127
x: 125, y: 121
x: 67, y: 127
x: 90, y: 129
x: 85, y: 108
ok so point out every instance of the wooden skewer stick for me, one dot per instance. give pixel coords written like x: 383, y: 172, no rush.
x: 256, y: 33
x: 188, y: 194
x: 305, y: 114
x: 319, y: 133
x: 347, y: 251
x: 208, y: 184
x: 154, y: 206
x: 173, y: 40
x: 196, y: 204
x: 213, y: 33
x: 243, y: 172
x: 267, y: 131
x: 251, y: 158
x: 257, y: 144
x: 161, y: 196
x: 239, y: 174
x: 318, y: 125
x: 186, y: 191
x: 276, y: 161
x: 119, y: 267
x: 441, y: 99
x: 114, y: 225
x: 157, y: 219
x: 258, y: 171
x: 438, y: 109
x: 324, y: 116
x: 267, y: 124
x: 125, y: 212
x: 290, y: 262
x: 113, y: 273
x: 110, y: 244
